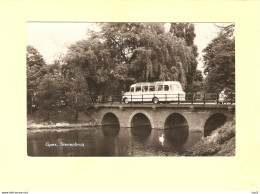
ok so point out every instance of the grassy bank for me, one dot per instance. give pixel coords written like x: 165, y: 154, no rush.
x: 58, y: 119
x: 221, y: 142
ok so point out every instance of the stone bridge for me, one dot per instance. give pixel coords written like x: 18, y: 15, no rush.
x: 198, y: 117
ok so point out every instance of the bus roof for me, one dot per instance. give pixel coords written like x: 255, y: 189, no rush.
x: 158, y: 82
x: 167, y: 82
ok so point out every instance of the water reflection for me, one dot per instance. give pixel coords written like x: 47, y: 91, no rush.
x: 111, y: 141
x: 111, y: 130
x: 177, y: 135
x: 141, y: 133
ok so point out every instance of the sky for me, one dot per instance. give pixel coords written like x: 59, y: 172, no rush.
x: 52, y: 39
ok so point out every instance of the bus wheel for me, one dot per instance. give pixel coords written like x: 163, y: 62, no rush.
x: 155, y: 100
x: 126, y: 101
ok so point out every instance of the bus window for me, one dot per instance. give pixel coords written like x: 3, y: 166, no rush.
x: 166, y: 88
x: 132, y: 89
x: 151, y: 88
x: 145, y: 88
x: 138, y: 89
x: 160, y: 88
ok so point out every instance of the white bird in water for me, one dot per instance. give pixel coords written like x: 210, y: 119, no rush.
x: 161, y: 139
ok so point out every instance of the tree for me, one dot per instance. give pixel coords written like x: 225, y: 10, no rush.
x: 186, y: 31
x: 77, y: 94
x: 198, y: 83
x: 61, y: 93
x: 124, y: 53
x: 93, y: 60
x: 219, y: 61
x: 47, y: 95
x: 35, y: 71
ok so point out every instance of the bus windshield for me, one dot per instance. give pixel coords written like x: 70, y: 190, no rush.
x: 175, y: 87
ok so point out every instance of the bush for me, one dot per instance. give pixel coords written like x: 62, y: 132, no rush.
x: 203, y: 148
x: 221, y: 142
x: 54, y: 116
x: 226, y: 132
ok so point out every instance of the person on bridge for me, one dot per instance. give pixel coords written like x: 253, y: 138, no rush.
x: 222, y: 97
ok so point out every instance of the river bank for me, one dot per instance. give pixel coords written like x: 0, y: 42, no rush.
x: 220, y: 143
x: 32, y: 125
x: 37, y: 122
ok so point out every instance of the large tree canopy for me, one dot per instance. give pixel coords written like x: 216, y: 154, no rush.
x: 186, y: 31
x: 35, y: 71
x: 124, y: 53
x: 35, y: 64
x: 219, y: 60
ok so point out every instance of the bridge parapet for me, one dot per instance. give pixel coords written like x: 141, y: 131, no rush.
x: 192, y: 98
x: 230, y: 107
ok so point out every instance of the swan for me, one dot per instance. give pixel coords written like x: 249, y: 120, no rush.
x: 161, y: 139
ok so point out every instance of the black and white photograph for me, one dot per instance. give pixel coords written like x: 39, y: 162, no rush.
x: 130, y: 89
x: 130, y: 96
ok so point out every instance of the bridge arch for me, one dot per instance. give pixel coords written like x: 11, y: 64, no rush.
x: 110, y: 119
x: 175, y: 119
x: 140, y: 118
x: 176, y: 129
x: 213, y: 122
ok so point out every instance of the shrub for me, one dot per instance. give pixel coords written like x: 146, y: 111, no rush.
x: 221, y: 142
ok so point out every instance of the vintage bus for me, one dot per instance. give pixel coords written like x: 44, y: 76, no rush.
x: 162, y: 91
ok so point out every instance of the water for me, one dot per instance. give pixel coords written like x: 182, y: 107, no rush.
x: 110, y: 141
